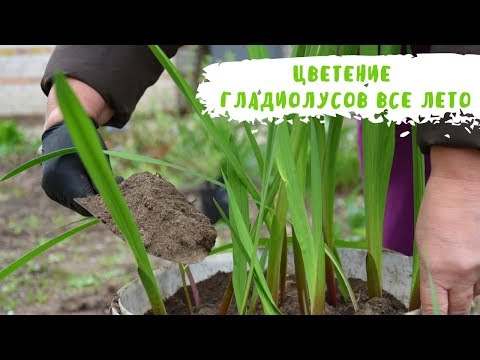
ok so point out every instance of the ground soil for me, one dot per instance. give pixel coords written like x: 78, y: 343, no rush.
x: 78, y: 276
x: 171, y: 227
x: 71, y: 278
x: 212, y: 291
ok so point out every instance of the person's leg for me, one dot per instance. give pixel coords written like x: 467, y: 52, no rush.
x: 398, y: 228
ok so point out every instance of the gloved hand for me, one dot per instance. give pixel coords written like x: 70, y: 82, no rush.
x: 65, y: 178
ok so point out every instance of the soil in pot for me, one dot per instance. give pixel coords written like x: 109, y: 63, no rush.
x: 212, y: 290
x: 171, y: 227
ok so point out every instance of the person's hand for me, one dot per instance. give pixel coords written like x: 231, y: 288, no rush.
x: 448, y: 231
x: 65, y: 178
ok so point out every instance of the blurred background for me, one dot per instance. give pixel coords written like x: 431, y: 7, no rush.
x: 81, y: 275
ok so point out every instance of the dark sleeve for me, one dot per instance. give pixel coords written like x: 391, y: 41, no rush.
x: 430, y: 134
x: 120, y: 73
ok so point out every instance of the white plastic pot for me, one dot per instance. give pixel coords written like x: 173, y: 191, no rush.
x: 397, y: 277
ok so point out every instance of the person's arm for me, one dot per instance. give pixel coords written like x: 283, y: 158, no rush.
x: 448, y: 226
x: 94, y: 104
x: 109, y: 80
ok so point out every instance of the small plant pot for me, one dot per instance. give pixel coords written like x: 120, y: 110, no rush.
x: 397, y: 277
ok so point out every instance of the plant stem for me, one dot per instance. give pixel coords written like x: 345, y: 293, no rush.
x: 254, y: 299
x: 418, y: 190
x: 317, y: 155
x: 185, y: 288
x: 378, y: 150
x: 227, y: 298
x: 277, y: 239
x: 193, y: 286
x: 300, y: 277
x: 329, y: 165
x: 283, y: 269
x: 266, y: 173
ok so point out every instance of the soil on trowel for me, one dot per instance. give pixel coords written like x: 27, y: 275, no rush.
x: 171, y: 227
x: 212, y: 290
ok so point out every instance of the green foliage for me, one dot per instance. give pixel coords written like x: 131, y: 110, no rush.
x: 272, y: 169
x: 180, y: 141
x: 347, y: 170
x: 11, y: 137
x: 378, y: 149
x: 418, y: 190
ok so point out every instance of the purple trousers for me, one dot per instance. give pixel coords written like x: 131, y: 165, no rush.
x: 398, y: 226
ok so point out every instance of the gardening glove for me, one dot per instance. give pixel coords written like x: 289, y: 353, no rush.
x: 65, y: 178
x: 208, y: 193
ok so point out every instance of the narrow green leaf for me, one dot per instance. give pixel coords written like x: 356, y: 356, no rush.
x: 76, y: 222
x: 266, y: 173
x: 390, y: 49
x: 149, y: 160
x: 263, y: 242
x: 258, y: 51
x: 240, y: 262
x: 254, y: 145
x: 341, y: 284
x: 36, y: 161
x: 245, y: 242
x: 185, y: 288
x: 348, y: 50
x: 298, y: 50
x: 254, y: 299
x: 213, y: 130
x: 17, y: 264
x: 317, y: 140
x: 288, y: 171
x: 369, y: 50
x: 361, y: 245
x: 276, y: 242
x: 433, y: 294
x: 418, y: 190
x: 329, y: 165
x: 86, y: 141
x: 300, y: 276
x: 378, y: 149
x: 342, y: 277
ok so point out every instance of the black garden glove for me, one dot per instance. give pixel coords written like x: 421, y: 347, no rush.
x: 208, y: 193
x: 65, y: 178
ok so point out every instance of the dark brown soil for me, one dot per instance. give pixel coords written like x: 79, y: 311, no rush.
x: 212, y: 291
x: 171, y: 227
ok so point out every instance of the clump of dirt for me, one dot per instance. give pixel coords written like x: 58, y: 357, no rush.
x: 171, y: 227
x: 212, y: 290
x: 387, y: 305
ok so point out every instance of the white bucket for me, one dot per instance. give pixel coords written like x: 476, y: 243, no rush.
x: 397, y: 277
